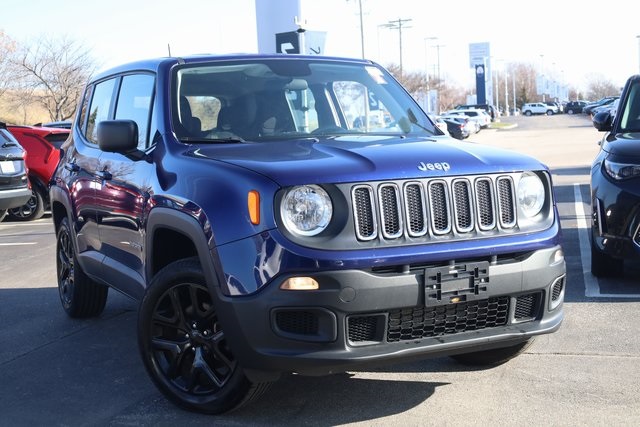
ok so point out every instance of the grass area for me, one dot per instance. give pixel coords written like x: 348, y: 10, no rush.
x: 501, y: 125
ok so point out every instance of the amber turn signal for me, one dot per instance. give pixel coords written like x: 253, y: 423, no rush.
x: 253, y: 203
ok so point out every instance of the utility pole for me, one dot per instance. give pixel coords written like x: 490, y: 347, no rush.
x: 638, y: 37
x: 398, y: 24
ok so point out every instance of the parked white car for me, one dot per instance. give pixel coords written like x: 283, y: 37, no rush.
x: 470, y: 125
x: 479, y: 116
x: 539, y: 108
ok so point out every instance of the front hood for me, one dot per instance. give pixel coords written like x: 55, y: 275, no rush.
x: 366, y: 158
x: 624, y: 145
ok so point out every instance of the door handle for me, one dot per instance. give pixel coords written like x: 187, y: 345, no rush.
x: 105, y: 175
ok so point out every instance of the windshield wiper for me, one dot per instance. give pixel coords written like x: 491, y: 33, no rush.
x: 231, y: 139
x: 414, y: 120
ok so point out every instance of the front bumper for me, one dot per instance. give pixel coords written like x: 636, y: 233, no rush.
x: 364, y: 318
x: 616, y: 217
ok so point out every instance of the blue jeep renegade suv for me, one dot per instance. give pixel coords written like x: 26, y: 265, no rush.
x: 278, y: 214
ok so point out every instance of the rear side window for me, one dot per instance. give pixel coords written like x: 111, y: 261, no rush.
x: 99, y: 108
x: 135, y: 103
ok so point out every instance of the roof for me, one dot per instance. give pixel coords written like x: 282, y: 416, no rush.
x: 154, y: 64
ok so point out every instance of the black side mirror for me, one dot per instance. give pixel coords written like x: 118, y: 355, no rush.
x: 602, y: 121
x: 118, y: 136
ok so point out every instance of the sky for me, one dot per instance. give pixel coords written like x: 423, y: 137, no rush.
x: 572, y: 41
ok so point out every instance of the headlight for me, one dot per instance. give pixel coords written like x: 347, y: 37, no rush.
x: 530, y: 194
x: 621, y: 170
x: 306, y: 210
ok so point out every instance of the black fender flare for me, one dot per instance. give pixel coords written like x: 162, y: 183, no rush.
x: 161, y: 217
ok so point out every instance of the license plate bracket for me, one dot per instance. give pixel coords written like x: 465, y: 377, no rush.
x: 456, y: 283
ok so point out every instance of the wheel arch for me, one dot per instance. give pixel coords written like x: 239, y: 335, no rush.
x: 172, y: 235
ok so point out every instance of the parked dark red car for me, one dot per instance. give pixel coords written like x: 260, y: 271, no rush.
x: 43, y: 152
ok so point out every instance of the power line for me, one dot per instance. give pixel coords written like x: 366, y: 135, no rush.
x: 398, y: 24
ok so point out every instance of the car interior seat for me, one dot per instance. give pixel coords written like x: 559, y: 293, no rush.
x: 191, y: 126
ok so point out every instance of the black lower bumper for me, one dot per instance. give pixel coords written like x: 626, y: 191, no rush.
x: 361, y: 318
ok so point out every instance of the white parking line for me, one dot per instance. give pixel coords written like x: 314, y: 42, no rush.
x: 591, y: 284
x: 24, y: 224
x: 19, y: 244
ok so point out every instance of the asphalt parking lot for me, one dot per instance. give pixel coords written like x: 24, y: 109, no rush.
x: 60, y: 371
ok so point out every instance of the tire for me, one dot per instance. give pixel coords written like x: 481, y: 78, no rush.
x: 32, y: 210
x: 603, y: 265
x: 80, y: 296
x: 183, y: 346
x: 527, y: 113
x: 570, y: 112
x: 493, y: 357
x: 549, y: 113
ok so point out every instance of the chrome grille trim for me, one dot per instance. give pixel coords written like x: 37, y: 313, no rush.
x: 485, y: 208
x: 363, y: 212
x: 415, y: 209
x: 463, y: 206
x: 390, y: 214
x: 434, y: 209
x: 506, y: 202
x: 439, y: 211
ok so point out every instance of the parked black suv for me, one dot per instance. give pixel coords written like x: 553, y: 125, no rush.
x: 574, y: 107
x: 14, y: 184
x: 265, y: 230
x: 615, y: 185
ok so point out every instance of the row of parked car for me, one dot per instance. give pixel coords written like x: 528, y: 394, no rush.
x: 464, y: 120
x: 28, y: 158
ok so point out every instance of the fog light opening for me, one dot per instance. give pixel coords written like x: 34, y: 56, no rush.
x: 300, y: 284
x: 558, y: 257
x: 557, y: 291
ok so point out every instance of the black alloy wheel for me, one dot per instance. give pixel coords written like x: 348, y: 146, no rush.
x: 184, y: 347
x: 33, y: 209
x: 80, y: 296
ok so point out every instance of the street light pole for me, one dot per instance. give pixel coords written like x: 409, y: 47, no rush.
x: 513, y: 81
x: 542, y: 78
x: 506, y: 94
x: 426, y: 56
x: 497, y: 92
x: 638, y: 37
x: 438, y: 50
x: 361, y: 29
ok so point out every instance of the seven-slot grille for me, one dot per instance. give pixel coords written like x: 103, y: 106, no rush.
x: 437, y: 206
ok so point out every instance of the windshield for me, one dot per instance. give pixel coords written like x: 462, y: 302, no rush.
x: 630, y: 117
x: 274, y: 99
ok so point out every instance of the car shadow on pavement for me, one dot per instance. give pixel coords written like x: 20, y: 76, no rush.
x: 89, y: 372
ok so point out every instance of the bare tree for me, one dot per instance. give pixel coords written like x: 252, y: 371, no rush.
x: 7, y: 75
x: 598, y: 87
x: 416, y: 84
x: 53, y: 73
x: 525, y: 78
